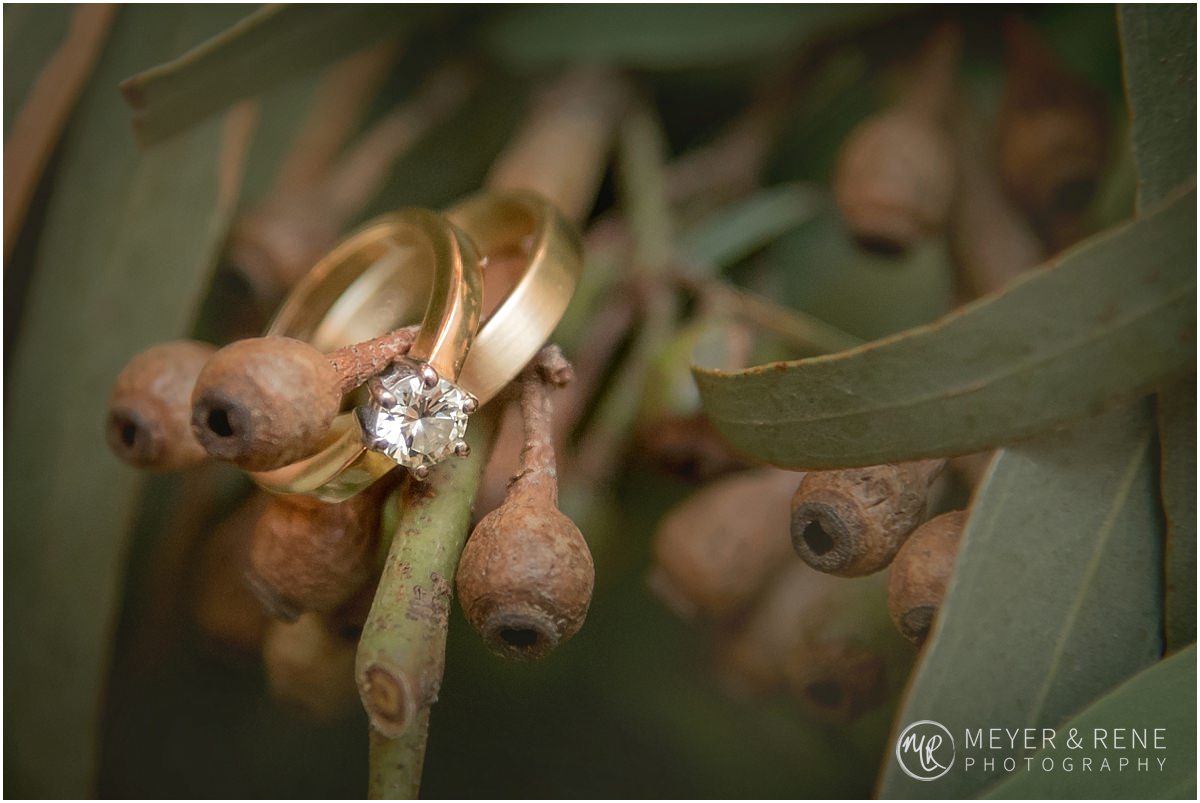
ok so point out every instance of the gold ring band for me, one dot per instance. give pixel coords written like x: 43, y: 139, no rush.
x: 362, y: 289
x: 525, y: 312
x: 406, y: 264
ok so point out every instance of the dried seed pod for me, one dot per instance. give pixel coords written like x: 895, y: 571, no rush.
x: 149, y: 412
x: 309, y: 555
x: 815, y: 637
x: 838, y: 680
x: 716, y: 551
x: 525, y: 578
x: 260, y: 402
x: 851, y: 522
x: 265, y: 402
x: 921, y: 572
x: 895, y: 174
x: 1053, y: 136
x: 310, y: 667
x: 225, y: 609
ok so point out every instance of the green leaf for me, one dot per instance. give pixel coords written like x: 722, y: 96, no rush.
x: 733, y: 233
x: 1106, y: 320
x: 32, y: 32
x: 664, y: 36
x: 124, y: 258
x: 1056, y: 596
x: 1159, y: 45
x: 819, y: 269
x: 1177, y: 440
x: 272, y: 44
x: 1162, y: 696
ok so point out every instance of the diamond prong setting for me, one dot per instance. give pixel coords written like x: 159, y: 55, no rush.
x: 382, y: 396
x: 415, y: 416
x: 428, y: 375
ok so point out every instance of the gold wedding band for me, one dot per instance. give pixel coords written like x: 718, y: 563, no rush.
x: 524, y: 311
x: 367, y: 286
x: 405, y: 266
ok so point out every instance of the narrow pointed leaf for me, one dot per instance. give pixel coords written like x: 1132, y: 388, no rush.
x: 1150, y: 700
x: 1159, y: 49
x: 32, y: 32
x: 36, y: 127
x: 1177, y: 446
x: 1056, y: 596
x: 276, y: 42
x: 658, y: 36
x: 1109, y: 319
x: 733, y: 233
x: 124, y: 259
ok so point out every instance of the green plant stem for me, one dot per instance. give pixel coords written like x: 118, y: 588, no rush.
x: 395, y: 764
x: 402, y: 652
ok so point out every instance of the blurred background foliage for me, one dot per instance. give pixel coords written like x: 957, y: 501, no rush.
x: 107, y: 676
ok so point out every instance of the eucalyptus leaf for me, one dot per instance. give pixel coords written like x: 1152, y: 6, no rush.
x: 125, y: 255
x: 1056, y: 595
x: 1109, y: 319
x: 32, y: 32
x: 1177, y: 442
x: 733, y: 233
x: 819, y: 269
x: 659, y: 36
x: 1159, y: 46
x: 1150, y: 699
x: 274, y: 43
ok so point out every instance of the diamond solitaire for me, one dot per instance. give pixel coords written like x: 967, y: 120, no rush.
x: 415, y: 417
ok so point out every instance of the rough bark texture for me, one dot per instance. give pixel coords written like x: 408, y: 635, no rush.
x: 356, y: 364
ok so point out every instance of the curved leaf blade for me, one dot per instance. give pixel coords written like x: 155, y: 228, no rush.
x: 32, y: 32
x: 1108, y: 319
x: 657, y: 36
x: 736, y: 231
x: 123, y: 261
x: 1157, y: 697
x: 1159, y: 49
x: 1056, y: 595
x: 1177, y: 446
x: 272, y: 44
